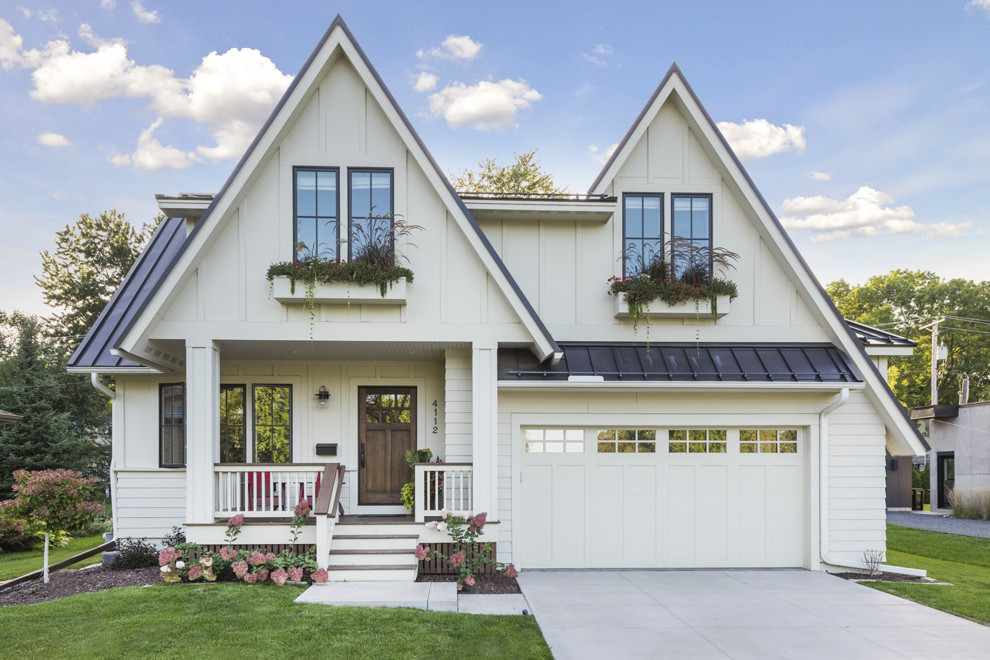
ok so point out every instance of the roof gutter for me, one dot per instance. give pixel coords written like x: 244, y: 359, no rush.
x: 823, y: 495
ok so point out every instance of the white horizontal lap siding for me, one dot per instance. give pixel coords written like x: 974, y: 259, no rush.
x: 857, y: 480
x: 504, y: 547
x: 457, y: 407
x: 150, y: 503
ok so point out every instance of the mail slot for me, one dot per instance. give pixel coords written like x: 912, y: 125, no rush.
x: 326, y: 449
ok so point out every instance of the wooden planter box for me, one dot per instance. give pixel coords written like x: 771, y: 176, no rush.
x: 658, y: 309
x: 339, y: 293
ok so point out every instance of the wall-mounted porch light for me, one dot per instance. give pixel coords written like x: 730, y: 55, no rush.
x: 323, y: 397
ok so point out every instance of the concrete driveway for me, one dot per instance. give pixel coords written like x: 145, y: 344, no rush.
x: 738, y: 614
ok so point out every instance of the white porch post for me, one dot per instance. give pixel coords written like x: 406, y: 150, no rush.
x: 484, y: 427
x: 202, y: 427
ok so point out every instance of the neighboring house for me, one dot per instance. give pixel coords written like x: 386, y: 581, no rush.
x: 695, y: 439
x: 881, y: 345
x: 9, y: 417
x: 960, y: 458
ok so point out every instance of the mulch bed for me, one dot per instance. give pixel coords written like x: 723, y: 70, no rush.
x: 71, y: 582
x: 887, y: 577
x: 484, y: 584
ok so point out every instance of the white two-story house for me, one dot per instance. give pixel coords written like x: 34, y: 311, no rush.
x: 747, y: 433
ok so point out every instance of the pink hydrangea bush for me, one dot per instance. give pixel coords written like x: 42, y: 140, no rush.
x: 296, y: 573
x: 422, y: 552
x: 320, y: 576
x: 469, y: 556
x: 195, y: 572
x: 280, y: 576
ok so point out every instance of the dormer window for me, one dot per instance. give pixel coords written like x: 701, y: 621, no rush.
x: 642, y: 234
x: 317, y: 214
x: 692, y: 226
x: 371, y: 203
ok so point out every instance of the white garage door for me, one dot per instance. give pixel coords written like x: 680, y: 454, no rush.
x: 686, y: 497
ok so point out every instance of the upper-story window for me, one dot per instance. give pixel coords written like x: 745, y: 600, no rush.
x: 691, y: 232
x: 371, y: 205
x: 642, y: 235
x: 317, y: 213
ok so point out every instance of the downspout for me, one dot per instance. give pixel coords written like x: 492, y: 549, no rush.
x: 94, y: 379
x: 823, y: 495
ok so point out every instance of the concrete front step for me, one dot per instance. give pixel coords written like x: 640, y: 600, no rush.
x: 374, y: 573
x: 378, y: 529
x: 372, y: 557
x: 374, y: 541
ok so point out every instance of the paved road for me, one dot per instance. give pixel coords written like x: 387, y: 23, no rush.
x: 738, y: 614
x: 934, y: 523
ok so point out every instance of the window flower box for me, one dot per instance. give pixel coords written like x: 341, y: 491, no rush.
x: 658, y: 309
x: 339, y: 293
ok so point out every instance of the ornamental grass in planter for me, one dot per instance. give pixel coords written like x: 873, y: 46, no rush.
x: 651, y: 277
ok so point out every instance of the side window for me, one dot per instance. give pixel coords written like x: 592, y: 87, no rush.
x: 371, y: 211
x: 691, y: 234
x: 316, y: 211
x: 642, y: 232
x: 272, y: 423
x: 172, y: 425
x: 233, y: 448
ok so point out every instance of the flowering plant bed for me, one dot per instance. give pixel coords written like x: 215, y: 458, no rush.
x: 469, y: 558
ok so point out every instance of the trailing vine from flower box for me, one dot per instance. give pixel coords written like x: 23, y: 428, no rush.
x: 652, y: 279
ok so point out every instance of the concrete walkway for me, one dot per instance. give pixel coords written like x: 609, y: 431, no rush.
x: 936, y: 523
x: 738, y: 614
x: 433, y: 596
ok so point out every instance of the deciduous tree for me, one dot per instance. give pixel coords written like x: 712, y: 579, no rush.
x: 523, y: 176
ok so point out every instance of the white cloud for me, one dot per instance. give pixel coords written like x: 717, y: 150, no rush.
x: 108, y: 4
x: 232, y: 92
x: 865, y: 213
x: 758, y: 138
x: 979, y: 4
x: 821, y: 176
x: 425, y: 82
x: 454, y: 47
x: 485, y: 106
x: 53, y: 140
x: 597, y: 55
x: 152, y: 155
x: 601, y: 157
x: 49, y: 16
x: 25, y: 12
x: 145, y: 15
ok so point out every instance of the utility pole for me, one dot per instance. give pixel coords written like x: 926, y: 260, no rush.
x: 935, y: 355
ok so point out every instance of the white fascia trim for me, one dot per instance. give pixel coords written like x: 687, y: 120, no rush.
x: 880, y: 351
x: 556, y: 385
x: 110, y: 371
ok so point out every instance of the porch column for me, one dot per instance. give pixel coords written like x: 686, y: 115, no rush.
x: 202, y: 427
x: 484, y: 426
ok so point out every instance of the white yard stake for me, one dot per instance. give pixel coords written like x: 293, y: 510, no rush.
x: 46, y: 558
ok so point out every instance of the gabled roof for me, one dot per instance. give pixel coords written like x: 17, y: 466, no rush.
x: 263, y: 143
x: 680, y: 362
x: 674, y: 86
x: 151, y: 267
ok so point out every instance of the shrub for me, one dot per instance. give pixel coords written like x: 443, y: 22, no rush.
x: 469, y: 556
x: 135, y: 553
x: 972, y: 504
x: 15, y: 535
x: 175, y: 537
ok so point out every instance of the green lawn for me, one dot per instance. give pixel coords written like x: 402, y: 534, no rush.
x: 16, y: 564
x: 261, y: 621
x: 962, y: 561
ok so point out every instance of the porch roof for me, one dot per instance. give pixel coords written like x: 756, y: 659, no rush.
x: 687, y: 362
x: 870, y: 336
x: 151, y: 266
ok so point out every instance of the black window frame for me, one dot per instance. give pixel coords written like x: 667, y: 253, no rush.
x: 244, y: 421
x: 625, y: 228
x: 351, y: 171
x: 162, y: 426
x: 711, y: 227
x: 254, y: 420
x: 295, y: 210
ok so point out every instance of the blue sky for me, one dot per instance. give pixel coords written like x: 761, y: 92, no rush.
x: 865, y: 125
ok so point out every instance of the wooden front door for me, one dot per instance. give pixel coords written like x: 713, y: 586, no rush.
x: 386, y: 429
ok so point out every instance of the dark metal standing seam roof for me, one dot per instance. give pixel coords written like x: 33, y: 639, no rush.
x: 636, y: 362
x: 151, y: 267
x: 871, y: 336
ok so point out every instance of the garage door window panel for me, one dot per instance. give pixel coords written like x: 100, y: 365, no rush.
x: 627, y: 441
x: 554, y: 441
x: 696, y: 441
x: 768, y: 441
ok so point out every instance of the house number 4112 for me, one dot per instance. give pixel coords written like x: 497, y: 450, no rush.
x: 436, y: 417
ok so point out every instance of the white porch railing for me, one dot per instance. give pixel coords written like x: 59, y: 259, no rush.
x: 264, y: 489
x: 443, y: 487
